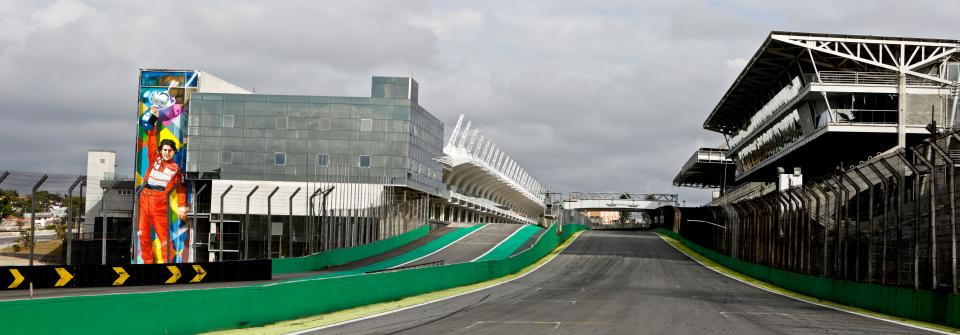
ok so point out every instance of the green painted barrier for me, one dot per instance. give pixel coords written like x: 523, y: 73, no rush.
x: 193, y: 311
x: 515, y: 241
x: 927, y: 306
x: 336, y: 257
x: 423, y: 250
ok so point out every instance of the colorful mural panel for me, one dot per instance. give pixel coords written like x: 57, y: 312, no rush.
x: 163, y: 232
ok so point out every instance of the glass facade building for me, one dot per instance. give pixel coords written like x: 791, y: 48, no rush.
x: 385, y: 138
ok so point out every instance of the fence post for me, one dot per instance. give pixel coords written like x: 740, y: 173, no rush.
x: 884, y: 189
x: 870, y: 189
x: 823, y: 222
x: 246, y: 225
x: 68, y: 233
x: 290, y: 223
x: 856, y: 245
x: 33, y: 216
x: 270, y: 226
x: 916, y: 220
x: 220, y: 224
x: 931, y: 165
x: 900, y: 182
x: 193, y: 223
x: 951, y: 186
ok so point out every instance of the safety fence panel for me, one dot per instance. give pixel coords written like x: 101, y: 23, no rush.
x: 61, y: 276
x: 336, y: 257
x: 929, y: 306
x: 225, y: 308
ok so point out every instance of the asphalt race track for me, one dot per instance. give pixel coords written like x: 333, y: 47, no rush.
x: 620, y: 282
x: 473, y: 245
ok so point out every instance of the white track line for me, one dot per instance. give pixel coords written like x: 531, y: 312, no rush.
x: 444, y: 247
x: 498, y: 244
x: 798, y: 299
x: 438, y: 300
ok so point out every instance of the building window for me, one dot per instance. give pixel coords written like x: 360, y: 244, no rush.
x: 366, y: 124
x: 103, y: 161
x: 323, y: 160
x: 280, y: 158
x: 281, y: 123
x: 324, y: 124
x: 227, y: 121
x: 364, y: 161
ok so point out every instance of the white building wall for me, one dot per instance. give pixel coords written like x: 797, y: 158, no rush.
x: 101, y: 165
x: 213, y: 84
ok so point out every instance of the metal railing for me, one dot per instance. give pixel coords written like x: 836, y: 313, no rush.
x: 863, y: 116
x: 864, y: 78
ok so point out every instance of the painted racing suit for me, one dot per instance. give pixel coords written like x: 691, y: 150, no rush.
x: 162, y: 178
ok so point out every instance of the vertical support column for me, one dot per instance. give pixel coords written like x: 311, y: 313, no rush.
x: 901, y: 109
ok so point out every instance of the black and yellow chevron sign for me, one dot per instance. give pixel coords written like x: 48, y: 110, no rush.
x: 122, y: 275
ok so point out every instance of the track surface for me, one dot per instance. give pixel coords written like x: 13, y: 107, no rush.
x: 473, y: 245
x: 62, y: 292
x: 620, y: 282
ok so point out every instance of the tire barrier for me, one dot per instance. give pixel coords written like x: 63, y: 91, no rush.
x: 225, y: 308
x: 66, y: 276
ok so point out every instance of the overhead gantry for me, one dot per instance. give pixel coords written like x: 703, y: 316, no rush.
x: 485, y: 183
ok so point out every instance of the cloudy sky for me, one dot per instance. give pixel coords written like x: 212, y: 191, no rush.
x: 587, y: 96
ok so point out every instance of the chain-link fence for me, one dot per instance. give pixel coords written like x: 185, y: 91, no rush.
x: 890, y: 220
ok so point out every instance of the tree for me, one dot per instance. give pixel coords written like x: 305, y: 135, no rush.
x: 7, y: 202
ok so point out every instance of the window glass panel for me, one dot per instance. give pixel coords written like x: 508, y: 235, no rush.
x: 227, y: 121
x: 324, y: 124
x: 280, y: 158
x: 364, y: 161
x: 366, y: 124
x: 281, y: 123
x: 323, y: 160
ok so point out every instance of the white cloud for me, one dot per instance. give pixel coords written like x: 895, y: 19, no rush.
x: 60, y: 13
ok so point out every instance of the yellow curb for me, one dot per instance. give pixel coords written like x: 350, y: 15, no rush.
x: 321, y: 320
x: 799, y: 296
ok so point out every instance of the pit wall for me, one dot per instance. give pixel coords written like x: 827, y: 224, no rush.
x: 320, y: 261
x: 921, y: 305
x: 194, y: 311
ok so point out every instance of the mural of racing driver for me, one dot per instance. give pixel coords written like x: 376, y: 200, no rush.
x: 162, y: 178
